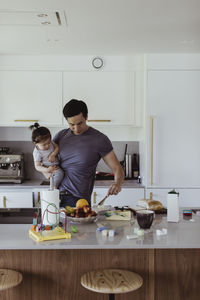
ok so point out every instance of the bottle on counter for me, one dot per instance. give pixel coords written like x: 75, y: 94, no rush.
x: 173, y: 206
x: 135, y: 166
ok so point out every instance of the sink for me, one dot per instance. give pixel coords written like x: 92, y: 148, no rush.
x: 18, y: 215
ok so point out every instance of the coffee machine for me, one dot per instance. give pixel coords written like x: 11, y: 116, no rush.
x: 11, y: 166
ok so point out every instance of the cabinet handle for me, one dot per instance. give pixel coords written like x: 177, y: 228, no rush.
x: 150, y: 196
x: 94, y: 198
x: 99, y: 120
x: 151, y: 150
x: 4, y: 201
x: 26, y: 120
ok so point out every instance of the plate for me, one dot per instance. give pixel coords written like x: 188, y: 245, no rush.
x: 82, y: 220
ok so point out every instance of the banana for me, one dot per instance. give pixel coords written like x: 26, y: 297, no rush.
x: 69, y: 209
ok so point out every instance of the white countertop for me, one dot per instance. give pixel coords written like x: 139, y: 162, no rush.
x: 35, y: 184
x: 184, y: 234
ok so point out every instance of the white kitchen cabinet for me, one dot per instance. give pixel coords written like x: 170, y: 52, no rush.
x: 173, y: 149
x: 110, y: 96
x: 127, y: 196
x: 28, y: 96
x: 16, y: 199
x: 187, y: 197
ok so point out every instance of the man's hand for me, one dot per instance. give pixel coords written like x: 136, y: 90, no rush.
x: 114, y: 189
x: 52, y: 157
x: 51, y: 169
x: 111, y: 160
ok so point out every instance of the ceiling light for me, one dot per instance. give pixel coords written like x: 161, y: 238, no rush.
x: 46, y: 23
x: 42, y: 15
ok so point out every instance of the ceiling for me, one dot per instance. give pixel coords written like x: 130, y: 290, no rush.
x: 103, y: 27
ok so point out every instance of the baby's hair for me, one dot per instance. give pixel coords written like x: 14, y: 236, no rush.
x: 39, y: 133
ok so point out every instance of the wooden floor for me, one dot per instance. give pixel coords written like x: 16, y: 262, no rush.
x: 55, y: 274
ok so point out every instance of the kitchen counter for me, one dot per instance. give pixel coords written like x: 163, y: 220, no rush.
x: 37, y: 184
x: 127, y: 183
x: 184, y: 234
x: 26, y: 184
x: 169, y: 265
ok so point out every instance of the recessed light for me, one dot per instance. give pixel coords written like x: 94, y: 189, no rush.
x: 42, y: 15
x: 45, y: 23
x: 53, y: 40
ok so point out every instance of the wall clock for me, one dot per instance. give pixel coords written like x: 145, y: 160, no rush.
x: 97, y: 62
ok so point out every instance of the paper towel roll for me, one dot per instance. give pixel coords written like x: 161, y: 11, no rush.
x: 50, y: 207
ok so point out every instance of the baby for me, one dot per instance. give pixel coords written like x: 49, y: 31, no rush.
x: 45, y: 154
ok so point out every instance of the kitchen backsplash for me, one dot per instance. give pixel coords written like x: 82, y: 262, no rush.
x: 27, y: 147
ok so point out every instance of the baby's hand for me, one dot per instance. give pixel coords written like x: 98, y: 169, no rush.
x: 52, y: 157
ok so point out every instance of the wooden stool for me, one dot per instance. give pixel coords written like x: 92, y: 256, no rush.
x: 9, y: 278
x: 111, y: 281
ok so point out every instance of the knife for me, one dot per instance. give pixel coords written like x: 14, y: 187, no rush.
x: 103, y: 200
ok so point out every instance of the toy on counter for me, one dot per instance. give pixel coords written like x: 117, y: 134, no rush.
x: 49, y: 228
x: 74, y: 229
x: 41, y: 232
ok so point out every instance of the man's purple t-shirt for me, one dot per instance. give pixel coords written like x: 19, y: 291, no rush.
x: 79, y: 156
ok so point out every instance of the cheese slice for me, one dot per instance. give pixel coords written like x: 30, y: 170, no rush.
x: 118, y: 215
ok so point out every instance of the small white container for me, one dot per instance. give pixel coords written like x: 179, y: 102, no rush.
x: 173, y: 207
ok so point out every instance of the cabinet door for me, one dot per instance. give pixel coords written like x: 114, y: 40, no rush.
x: 128, y: 196
x: 187, y: 197
x: 173, y: 101
x: 16, y: 199
x: 30, y: 95
x: 109, y: 95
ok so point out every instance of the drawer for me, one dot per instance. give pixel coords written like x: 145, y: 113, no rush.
x: 16, y: 199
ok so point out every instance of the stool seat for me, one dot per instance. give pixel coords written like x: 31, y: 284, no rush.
x: 9, y: 278
x: 111, y: 281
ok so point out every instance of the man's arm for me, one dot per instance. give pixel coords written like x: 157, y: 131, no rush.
x: 111, y: 160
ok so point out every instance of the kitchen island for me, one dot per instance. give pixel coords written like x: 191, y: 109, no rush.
x: 169, y: 264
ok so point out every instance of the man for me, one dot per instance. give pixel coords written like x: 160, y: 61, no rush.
x: 80, y: 148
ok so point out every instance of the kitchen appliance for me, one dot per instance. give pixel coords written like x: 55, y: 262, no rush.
x: 110, y: 176
x: 104, y: 176
x: 11, y: 167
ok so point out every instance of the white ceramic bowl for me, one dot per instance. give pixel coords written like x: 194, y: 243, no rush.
x: 82, y: 220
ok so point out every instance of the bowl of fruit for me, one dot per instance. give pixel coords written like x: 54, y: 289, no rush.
x: 82, y: 213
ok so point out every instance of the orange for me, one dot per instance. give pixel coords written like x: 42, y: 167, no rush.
x: 81, y: 202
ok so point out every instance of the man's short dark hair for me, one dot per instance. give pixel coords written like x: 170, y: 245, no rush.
x: 75, y: 107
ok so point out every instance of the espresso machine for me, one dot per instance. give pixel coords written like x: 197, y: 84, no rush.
x: 11, y: 166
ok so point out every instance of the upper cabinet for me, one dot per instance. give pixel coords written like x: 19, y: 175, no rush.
x: 29, y: 96
x: 110, y: 95
x: 35, y: 88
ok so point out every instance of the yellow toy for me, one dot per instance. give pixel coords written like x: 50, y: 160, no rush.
x: 48, y: 235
